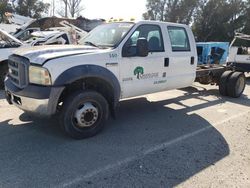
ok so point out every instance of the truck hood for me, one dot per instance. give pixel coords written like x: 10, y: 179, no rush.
x: 41, y: 54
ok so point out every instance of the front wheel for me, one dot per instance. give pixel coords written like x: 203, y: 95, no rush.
x: 83, y: 114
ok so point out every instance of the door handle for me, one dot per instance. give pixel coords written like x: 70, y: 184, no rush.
x: 166, y: 62
x: 192, y: 61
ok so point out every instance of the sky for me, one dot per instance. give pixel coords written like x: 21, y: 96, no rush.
x: 106, y: 9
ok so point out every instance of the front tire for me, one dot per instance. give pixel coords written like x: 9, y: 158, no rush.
x: 83, y: 114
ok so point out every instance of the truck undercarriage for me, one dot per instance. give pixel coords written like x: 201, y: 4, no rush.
x: 231, y: 82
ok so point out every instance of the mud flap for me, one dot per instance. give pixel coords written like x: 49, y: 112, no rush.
x: 8, y: 97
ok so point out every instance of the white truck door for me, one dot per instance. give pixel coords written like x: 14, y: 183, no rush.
x: 142, y: 75
x: 181, y: 60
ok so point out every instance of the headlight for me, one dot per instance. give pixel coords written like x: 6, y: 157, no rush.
x: 39, y: 75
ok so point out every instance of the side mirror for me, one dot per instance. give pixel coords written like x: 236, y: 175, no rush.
x: 129, y: 50
x: 142, y: 47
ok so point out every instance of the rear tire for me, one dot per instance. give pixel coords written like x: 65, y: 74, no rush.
x: 223, y: 82
x: 236, y: 84
x: 83, y: 114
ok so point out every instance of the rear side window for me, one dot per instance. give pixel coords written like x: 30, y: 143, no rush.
x: 179, y: 39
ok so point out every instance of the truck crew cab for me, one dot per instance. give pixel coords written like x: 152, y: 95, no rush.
x: 83, y: 84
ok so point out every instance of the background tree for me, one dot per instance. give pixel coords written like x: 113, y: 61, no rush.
x: 180, y: 11
x: 184, y: 11
x: 52, y: 8
x: 246, y: 24
x: 218, y: 20
x: 31, y: 8
x: 4, y: 7
x: 73, y: 7
x: 155, y: 10
x: 211, y: 20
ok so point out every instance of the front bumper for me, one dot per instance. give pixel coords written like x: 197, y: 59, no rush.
x: 39, y: 100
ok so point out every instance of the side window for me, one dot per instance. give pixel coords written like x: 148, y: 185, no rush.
x: 179, y: 39
x: 153, y: 35
x: 65, y: 37
x: 134, y: 37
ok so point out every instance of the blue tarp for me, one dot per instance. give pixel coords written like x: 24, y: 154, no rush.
x: 212, y: 52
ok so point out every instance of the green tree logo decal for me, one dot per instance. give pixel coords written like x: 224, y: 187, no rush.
x: 138, y: 71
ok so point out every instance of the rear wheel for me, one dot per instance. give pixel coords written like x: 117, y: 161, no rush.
x: 223, y: 82
x: 83, y: 114
x: 236, y: 84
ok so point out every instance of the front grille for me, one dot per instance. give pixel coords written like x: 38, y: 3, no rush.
x: 18, y: 70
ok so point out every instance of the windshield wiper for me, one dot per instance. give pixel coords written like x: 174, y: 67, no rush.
x: 91, y: 44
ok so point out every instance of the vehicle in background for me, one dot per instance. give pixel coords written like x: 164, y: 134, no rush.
x: 17, y: 23
x: 9, y: 28
x: 212, y: 52
x: 76, y: 34
x: 47, y: 23
x: 239, y: 54
x: 17, y: 19
x: 48, y: 38
x: 25, y: 34
x: 68, y: 34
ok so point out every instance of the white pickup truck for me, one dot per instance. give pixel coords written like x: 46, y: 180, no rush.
x: 83, y: 83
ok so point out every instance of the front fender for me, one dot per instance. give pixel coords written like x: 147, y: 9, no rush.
x: 90, y: 71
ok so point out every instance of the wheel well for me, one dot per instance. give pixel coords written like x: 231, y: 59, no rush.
x: 99, y: 85
x: 4, y: 63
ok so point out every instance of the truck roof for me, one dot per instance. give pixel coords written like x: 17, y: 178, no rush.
x: 151, y: 22
x: 211, y: 43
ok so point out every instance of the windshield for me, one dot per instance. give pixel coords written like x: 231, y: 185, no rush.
x: 24, y: 26
x: 107, y: 35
